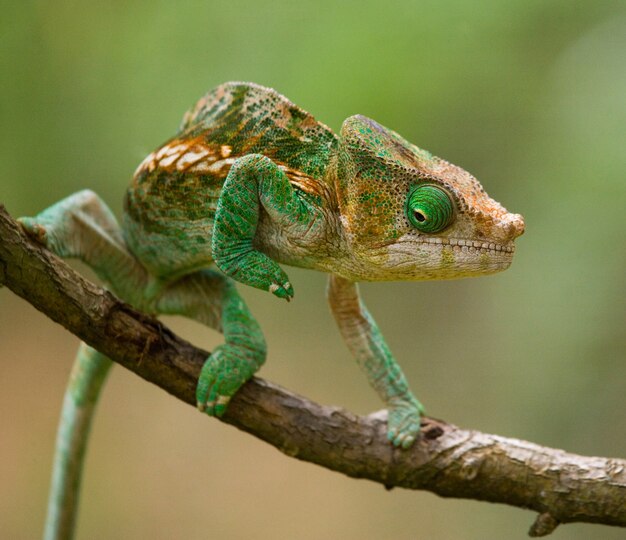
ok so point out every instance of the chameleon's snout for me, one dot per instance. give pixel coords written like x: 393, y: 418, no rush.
x: 516, y: 226
x: 506, y: 229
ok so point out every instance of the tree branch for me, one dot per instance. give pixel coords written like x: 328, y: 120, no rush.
x: 446, y: 460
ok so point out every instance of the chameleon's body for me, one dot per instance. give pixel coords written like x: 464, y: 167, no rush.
x: 250, y: 180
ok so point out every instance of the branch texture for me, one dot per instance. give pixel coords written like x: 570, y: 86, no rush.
x: 446, y: 460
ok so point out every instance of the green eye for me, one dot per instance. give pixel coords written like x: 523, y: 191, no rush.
x: 429, y: 208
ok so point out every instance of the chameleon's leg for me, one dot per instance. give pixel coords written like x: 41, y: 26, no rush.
x: 255, y: 183
x: 368, y: 346
x: 82, y: 226
x: 212, y: 299
x: 88, y: 374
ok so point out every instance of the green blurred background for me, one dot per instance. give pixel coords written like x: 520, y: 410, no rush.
x: 529, y: 95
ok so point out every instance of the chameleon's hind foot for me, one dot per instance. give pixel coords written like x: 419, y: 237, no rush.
x: 33, y: 229
x: 82, y: 226
x: 43, y: 232
x: 403, y: 422
x: 62, y: 227
x: 224, y: 372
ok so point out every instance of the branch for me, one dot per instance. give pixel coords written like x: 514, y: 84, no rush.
x: 446, y: 460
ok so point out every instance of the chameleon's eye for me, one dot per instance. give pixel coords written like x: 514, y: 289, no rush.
x: 429, y: 208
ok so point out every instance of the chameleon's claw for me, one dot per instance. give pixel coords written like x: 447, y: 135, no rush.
x: 217, y: 407
x: 218, y: 402
x: 408, y: 442
x: 220, y: 405
x: 202, y: 390
x: 282, y: 291
x: 287, y: 287
x: 404, y: 440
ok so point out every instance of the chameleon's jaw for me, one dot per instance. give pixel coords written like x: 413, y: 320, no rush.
x: 413, y: 258
x: 458, y: 258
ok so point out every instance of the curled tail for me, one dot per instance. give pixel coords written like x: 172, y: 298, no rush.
x: 88, y: 374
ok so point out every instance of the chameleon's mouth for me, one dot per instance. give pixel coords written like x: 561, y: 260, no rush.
x: 416, y: 258
x: 470, y: 245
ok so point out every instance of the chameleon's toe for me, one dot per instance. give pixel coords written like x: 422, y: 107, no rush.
x: 408, y: 441
x: 206, y: 382
x: 282, y: 291
x: 404, y: 423
x: 219, y: 396
x: 202, y: 390
x: 278, y: 281
x: 224, y: 372
x: 220, y: 405
x: 404, y: 440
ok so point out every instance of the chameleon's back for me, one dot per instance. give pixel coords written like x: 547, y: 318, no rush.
x: 253, y: 119
x: 170, y: 205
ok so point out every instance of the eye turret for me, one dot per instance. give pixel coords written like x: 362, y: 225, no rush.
x: 429, y: 208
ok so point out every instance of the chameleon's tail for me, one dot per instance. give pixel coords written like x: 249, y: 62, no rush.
x: 88, y: 374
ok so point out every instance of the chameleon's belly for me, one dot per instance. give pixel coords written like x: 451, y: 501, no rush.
x: 168, y: 222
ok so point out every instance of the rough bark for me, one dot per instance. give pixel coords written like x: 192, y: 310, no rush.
x: 447, y: 460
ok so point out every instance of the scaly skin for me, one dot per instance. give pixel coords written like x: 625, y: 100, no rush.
x: 249, y: 181
x: 88, y: 375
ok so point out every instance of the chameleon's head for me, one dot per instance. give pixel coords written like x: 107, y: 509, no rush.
x: 408, y: 215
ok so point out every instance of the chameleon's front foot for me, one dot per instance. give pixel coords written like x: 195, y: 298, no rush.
x: 224, y: 372
x: 253, y: 268
x: 403, y: 421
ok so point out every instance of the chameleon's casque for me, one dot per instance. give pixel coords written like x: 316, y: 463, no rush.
x: 250, y: 180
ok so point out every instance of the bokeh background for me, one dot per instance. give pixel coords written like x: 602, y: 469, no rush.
x: 529, y: 95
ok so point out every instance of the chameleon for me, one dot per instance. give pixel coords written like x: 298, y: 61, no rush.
x: 251, y: 181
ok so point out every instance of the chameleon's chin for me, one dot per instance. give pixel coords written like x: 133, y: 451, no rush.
x: 437, y: 258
